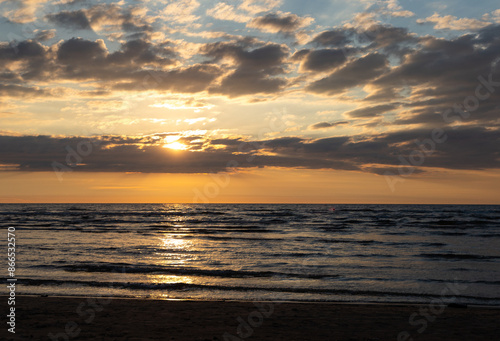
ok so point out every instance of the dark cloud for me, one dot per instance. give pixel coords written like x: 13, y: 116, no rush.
x: 323, y: 125
x: 279, y: 22
x: 300, y: 55
x: 14, y: 90
x: 137, y: 65
x: 142, y: 52
x: 388, y: 170
x: 368, y: 112
x: 384, y: 95
x: 255, y: 70
x: 245, y: 82
x: 393, y: 40
x: 358, y: 72
x: 472, y: 148
x: 24, y: 50
x: 102, y: 15
x: 30, y: 57
x: 267, y: 57
x: 387, y: 38
x: 70, y: 19
x: 127, y: 68
x: 44, y: 35
x: 78, y: 51
x: 127, y: 18
x: 445, y: 74
x: 192, y: 79
x: 489, y: 34
x: 334, y: 38
x: 323, y: 60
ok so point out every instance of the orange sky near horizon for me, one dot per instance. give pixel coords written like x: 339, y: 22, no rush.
x: 268, y: 185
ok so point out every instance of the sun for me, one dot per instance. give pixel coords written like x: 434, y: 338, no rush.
x: 175, y: 145
x: 172, y: 143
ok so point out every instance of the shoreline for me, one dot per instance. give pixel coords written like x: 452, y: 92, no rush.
x: 88, y: 318
x: 140, y: 298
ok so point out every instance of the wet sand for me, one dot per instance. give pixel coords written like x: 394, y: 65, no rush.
x: 64, y: 318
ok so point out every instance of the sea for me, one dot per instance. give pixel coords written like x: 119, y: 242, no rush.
x: 264, y: 252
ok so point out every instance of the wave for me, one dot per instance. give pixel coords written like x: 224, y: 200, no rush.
x: 458, y: 256
x: 149, y: 269
x: 188, y: 286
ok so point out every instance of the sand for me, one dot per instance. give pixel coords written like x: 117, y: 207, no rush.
x: 63, y: 318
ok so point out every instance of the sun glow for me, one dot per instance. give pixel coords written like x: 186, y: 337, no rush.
x: 175, y: 146
x: 171, y: 142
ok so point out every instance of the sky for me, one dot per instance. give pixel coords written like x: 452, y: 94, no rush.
x: 265, y: 101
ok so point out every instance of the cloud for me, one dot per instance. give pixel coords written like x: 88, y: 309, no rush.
x: 280, y: 22
x: 321, y: 60
x: 245, y: 82
x: 126, y: 68
x: 336, y: 37
x: 496, y: 16
x: 357, y: 72
x: 256, y: 70
x: 104, y: 17
x: 223, y: 11
x: 24, y: 10
x: 73, y: 19
x: 389, y: 39
x: 76, y: 51
x: 369, y: 37
x: 190, y: 79
x: 143, y: 52
x: 23, y: 50
x: 394, y: 9
x: 403, y: 14
x: 181, y: 11
x: 450, y: 22
x: 259, y: 6
x: 265, y: 56
x: 445, y: 74
x: 29, y: 59
x: 369, y: 112
x: 13, y: 90
x: 323, y: 125
x: 45, y: 35
x: 472, y: 148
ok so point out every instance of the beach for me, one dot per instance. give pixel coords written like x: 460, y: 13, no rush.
x: 78, y: 318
